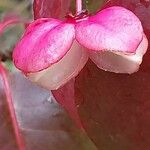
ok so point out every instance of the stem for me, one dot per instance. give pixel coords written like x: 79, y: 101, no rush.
x: 78, y: 6
x: 6, y: 23
x: 18, y: 136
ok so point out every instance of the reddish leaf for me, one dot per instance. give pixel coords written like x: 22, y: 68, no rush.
x: 43, y: 123
x: 66, y: 99
x: 114, y: 109
x: 51, y: 8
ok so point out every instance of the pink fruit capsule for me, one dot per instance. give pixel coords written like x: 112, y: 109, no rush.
x: 115, y: 39
x: 49, y: 53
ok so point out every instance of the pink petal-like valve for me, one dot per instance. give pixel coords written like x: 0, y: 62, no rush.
x: 120, y: 62
x: 44, y: 43
x: 113, y: 29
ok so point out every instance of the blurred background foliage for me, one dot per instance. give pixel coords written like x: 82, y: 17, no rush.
x: 23, y: 7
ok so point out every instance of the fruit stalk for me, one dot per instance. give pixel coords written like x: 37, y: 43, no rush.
x: 7, y: 90
x: 78, y: 6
